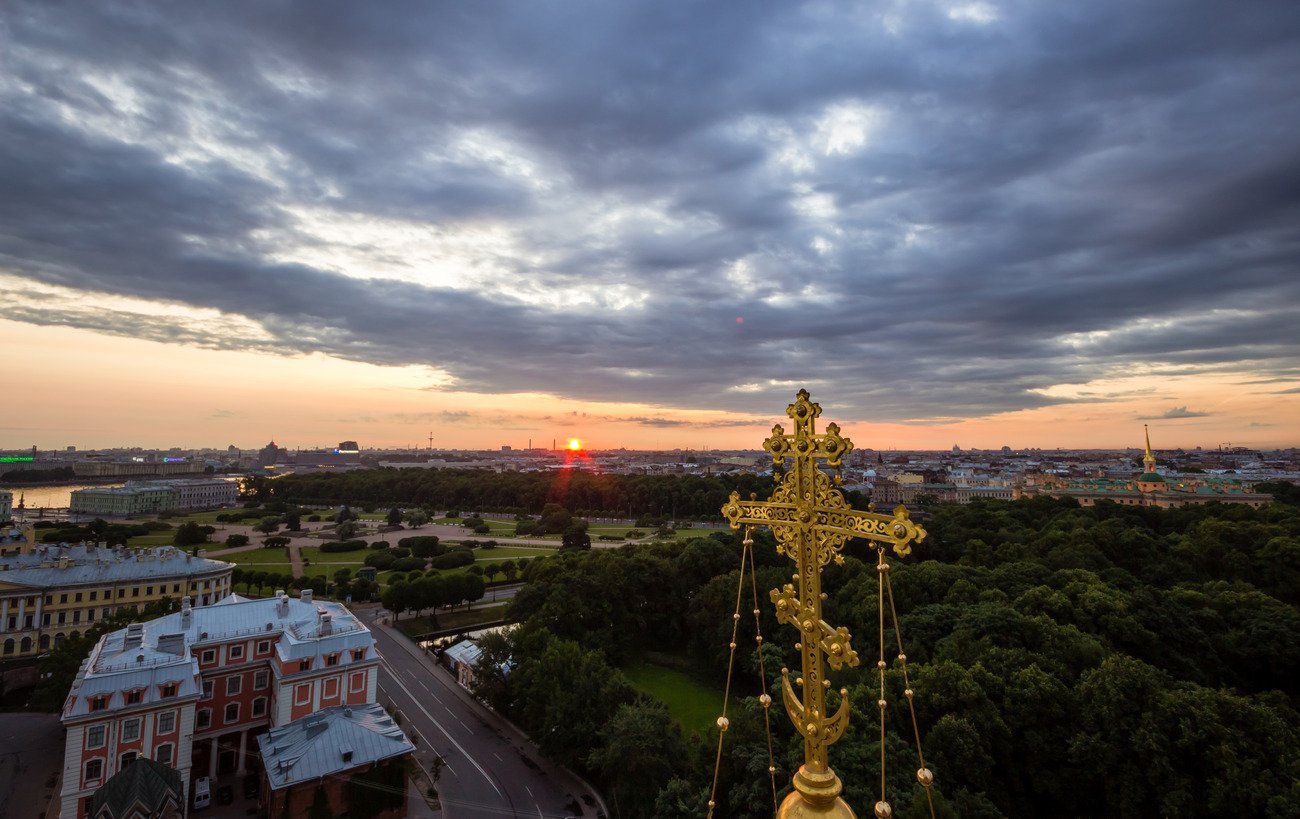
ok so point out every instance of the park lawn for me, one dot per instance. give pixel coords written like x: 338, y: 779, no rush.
x: 257, y: 557
x: 510, y: 553
x: 497, y: 528
x: 694, y: 705
x: 153, y: 539
x: 338, y: 560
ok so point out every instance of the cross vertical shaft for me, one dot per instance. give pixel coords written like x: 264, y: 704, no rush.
x: 811, y: 522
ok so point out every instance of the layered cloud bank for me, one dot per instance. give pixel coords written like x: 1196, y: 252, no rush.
x: 926, y: 211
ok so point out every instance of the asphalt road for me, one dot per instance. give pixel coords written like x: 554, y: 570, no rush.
x: 491, y: 769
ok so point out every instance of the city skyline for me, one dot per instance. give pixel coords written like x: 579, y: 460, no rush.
x: 968, y: 223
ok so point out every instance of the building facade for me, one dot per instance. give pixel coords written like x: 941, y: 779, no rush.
x: 194, y: 689
x: 49, y: 593
x: 145, y: 497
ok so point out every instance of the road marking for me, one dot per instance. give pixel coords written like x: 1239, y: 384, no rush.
x: 530, y: 792
x: 450, y: 738
x: 498, y: 756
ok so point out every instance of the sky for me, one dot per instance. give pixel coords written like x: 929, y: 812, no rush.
x: 647, y: 225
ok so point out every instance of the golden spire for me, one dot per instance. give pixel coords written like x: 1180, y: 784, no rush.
x: 811, y: 522
x: 1148, y: 459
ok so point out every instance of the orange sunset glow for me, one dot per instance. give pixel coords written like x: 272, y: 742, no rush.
x: 943, y: 256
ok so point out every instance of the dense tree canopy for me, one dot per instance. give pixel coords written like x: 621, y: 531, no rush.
x: 1108, y: 661
x: 577, y: 491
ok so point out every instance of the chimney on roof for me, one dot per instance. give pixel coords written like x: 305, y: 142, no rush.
x: 306, y: 595
x: 186, y: 612
x: 326, y: 627
x: 172, y: 644
x: 134, y: 636
x: 281, y: 604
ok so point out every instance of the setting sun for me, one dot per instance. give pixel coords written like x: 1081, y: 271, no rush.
x: 574, y: 445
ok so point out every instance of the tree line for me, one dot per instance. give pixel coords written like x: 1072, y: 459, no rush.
x: 586, y: 494
x: 1107, y: 661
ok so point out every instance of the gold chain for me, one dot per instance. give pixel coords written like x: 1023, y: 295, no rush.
x: 746, y: 559
x: 923, y: 774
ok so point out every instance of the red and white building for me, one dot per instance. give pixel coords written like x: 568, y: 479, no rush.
x: 193, y: 689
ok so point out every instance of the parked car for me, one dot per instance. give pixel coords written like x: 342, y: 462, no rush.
x: 202, y: 793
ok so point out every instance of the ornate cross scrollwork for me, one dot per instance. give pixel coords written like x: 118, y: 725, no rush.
x: 811, y: 522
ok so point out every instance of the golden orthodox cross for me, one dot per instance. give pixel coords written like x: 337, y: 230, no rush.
x: 811, y: 522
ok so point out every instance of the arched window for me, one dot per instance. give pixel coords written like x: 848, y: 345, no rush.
x: 9, y: 646
x: 26, y: 645
x: 45, y: 641
x: 59, y: 638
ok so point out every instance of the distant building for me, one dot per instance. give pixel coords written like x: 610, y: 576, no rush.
x: 348, y: 448
x: 49, y: 593
x: 144, y: 497
x: 6, y: 506
x: 136, y: 469
x: 889, y: 493
x: 194, y: 690
x: 1150, y: 488
x: 269, y: 455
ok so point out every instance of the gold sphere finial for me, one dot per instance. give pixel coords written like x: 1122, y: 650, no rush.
x: 883, y: 810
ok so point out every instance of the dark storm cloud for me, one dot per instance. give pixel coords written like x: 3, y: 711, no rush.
x: 918, y: 215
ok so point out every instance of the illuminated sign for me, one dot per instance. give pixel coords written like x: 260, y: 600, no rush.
x: 173, y: 460
x: 16, y: 459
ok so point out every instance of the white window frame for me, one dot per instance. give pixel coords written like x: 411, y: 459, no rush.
x: 358, y: 682
x: 91, y: 744
x: 207, y: 689
x: 171, y: 754
x: 86, y: 775
x: 170, y: 718
x: 203, y: 719
x: 131, y: 729
x: 208, y: 656
x: 326, y: 685
x: 226, y: 714
x: 234, y: 685
x: 236, y: 651
x: 259, y: 707
x: 263, y: 646
x: 304, y: 688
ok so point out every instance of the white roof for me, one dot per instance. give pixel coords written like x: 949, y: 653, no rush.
x: 165, y: 648
x: 51, y: 566
x: 329, y: 741
x: 466, y: 651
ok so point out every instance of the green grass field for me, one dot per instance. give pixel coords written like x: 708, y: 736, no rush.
x: 694, y: 705
x: 510, y: 553
x: 261, y: 558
